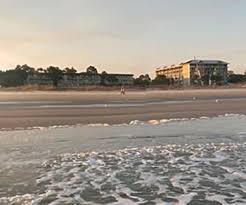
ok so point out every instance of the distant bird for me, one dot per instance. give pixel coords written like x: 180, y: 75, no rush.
x: 216, y: 100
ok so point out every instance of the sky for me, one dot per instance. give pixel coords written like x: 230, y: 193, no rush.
x: 121, y: 36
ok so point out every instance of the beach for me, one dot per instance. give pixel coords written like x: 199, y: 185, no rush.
x: 52, y: 108
x: 181, y: 147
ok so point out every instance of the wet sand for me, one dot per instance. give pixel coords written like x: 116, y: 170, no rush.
x: 34, y: 109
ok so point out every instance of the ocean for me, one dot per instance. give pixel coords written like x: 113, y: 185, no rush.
x: 170, y: 162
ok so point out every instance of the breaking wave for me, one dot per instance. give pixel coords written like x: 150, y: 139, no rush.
x: 188, y: 174
x: 170, y: 161
x: 131, y: 123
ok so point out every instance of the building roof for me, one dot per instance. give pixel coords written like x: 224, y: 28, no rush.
x: 193, y: 62
x: 115, y: 74
x: 169, y: 67
x: 205, y: 62
x: 120, y: 74
x: 85, y: 73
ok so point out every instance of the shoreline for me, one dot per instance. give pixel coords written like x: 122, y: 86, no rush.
x: 66, y: 108
x: 131, y: 123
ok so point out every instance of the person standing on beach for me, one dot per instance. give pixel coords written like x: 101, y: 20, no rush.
x: 122, y: 90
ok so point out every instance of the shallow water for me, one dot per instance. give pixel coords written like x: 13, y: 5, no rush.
x: 179, y: 161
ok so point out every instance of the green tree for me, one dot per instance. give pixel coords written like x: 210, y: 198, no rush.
x: 104, y: 77
x: 142, y: 80
x: 205, y: 79
x: 217, y: 79
x: 236, y: 78
x: 22, y: 72
x: 230, y: 72
x: 55, y: 74
x: 161, y: 80
x: 70, y: 71
x: 41, y: 70
x: 28, y: 69
x: 12, y: 78
x: 92, y: 70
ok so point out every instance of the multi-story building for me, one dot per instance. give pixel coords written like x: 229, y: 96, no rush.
x: 196, y: 72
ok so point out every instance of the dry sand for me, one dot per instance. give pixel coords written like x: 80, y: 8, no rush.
x: 21, y: 109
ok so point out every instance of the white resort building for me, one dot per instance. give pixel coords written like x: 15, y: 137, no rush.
x: 196, y: 72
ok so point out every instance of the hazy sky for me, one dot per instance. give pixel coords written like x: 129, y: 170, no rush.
x: 121, y: 35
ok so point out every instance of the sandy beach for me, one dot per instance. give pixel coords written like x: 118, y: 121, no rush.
x: 122, y: 164
x: 35, y: 109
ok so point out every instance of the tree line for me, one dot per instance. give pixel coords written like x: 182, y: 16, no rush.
x: 236, y: 78
x: 145, y: 80
x: 18, y: 76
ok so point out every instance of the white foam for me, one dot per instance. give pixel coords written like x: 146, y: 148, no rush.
x: 154, y: 122
x: 184, y: 199
x: 26, y: 199
x: 136, y: 122
x: 218, y: 198
x: 98, y: 125
x: 182, y: 165
x: 175, y: 180
x: 132, y: 123
x: 235, y: 173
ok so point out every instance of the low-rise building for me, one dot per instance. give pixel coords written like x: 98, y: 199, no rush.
x: 196, y: 72
x: 82, y: 79
x: 39, y: 79
x: 117, y: 79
